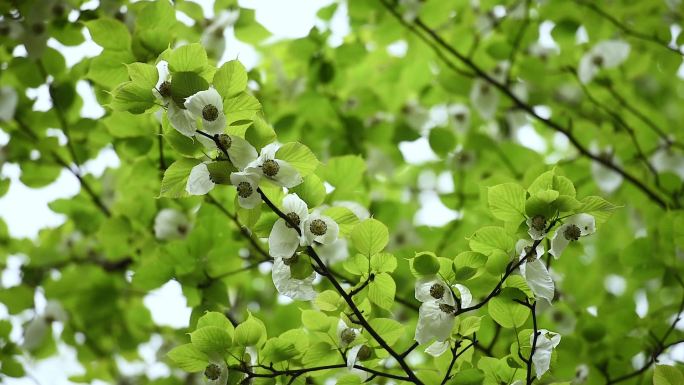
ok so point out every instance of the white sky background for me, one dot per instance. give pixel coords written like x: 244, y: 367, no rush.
x: 25, y: 210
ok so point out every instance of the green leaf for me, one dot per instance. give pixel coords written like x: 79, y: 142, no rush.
x: 344, y: 218
x: 110, y: 34
x: 189, y: 358
x: 507, y: 202
x: 383, y: 262
x: 251, y: 332
x: 230, y: 79
x: 600, y: 208
x: 381, y: 290
x: 311, y: 191
x: 188, y: 58
x: 370, y: 237
x: 507, y: 313
x: 425, y: 263
x: 143, y: 74
x: 470, y: 376
x: 469, y: 325
x: 390, y: 330
x: 212, y: 339
x: 132, y: 97
x: 299, y: 156
x: 278, y: 350
x: 667, y: 375
x: 328, y: 300
x: 214, y: 318
x: 489, y: 239
x: 315, y: 320
x: 176, y: 178
x: 442, y: 141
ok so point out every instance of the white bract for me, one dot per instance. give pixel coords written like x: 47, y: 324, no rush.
x: 535, y: 272
x: 208, y: 106
x: 180, y: 119
x: 216, y: 372
x: 240, y: 152
x: 435, y: 321
x: 8, y: 103
x: 576, y: 226
x: 666, y: 160
x: 278, y: 171
x: 284, y: 239
x: 485, y: 98
x: 605, y: 54
x: 199, y: 181
x: 546, y: 342
x: 297, y: 289
x: 170, y: 224
x: 246, y: 185
x: 606, y: 179
x: 459, y: 115
x: 212, y: 38
x: 320, y: 229
x: 332, y: 253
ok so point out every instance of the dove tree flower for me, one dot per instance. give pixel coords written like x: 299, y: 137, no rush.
x: 171, y: 224
x: 240, y: 152
x: 605, y: 54
x: 246, y: 185
x: 346, y: 334
x: 278, y: 171
x: 285, y: 239
x: 535, y: 272
x: 606, y: 179
x: 287, y: 285
x: 574, y: 227
x: 546, y: 342
x: 484, y: 98
x: 536, y: 227
x: 199, y: 181
x: 216, y: 372
x: 320, y: 229
x: 433, y: 288
x: 207, y: 105
x: 436, y: 319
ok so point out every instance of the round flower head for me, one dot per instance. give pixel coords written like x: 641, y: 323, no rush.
x: 208, y: 106
x: 170, y: 224
x: 345, y: 334
x: 216, y: 372
x: 435, y: 321
x: 536, y: 227
x: 199, y: 181
x: 485, y: 98
x: 605, y: 54
x: 576, y: 226
x: 278, y: 171
x: 297, y: 289
x: 246, y: 185
x: 546, y: 342
x: 433, y: 288
x: 320, y: 229
x: 535, y: 272
x: 284, y: 239
x: 240, y: 152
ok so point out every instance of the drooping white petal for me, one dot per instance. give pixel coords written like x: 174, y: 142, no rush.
x: 162, y: 74
x: 559, y: 242
x: 34, y: 333
x: 170, y: 224
x: 538, y: 279
x: 196, y: 104
x: 352, y: 355
x: 585, y: 222
x: 241, y: 153
x: 613, y: 52
x: 287, y: 176
x: 297, y: 289
x: 466, y: 296
x: 485, y: 98
x: 546, y: 342
x: 8, y: 103
x: 433, y: 323
x: 437, y: 348
x: 181, y: 119
x: 54, y: 312
x: 247, y: 185
x: 283, y: 240
x: 329, y: 231
x: 587, y: 69
x: 606, y: 179
x: 427, y: 287
x: 269, y: 151
x: 199, y: 181
x: 332, y: 253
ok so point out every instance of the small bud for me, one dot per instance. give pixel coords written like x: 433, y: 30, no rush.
x: 294, y: 218
x: 572, y: 233
x: 447, y: 308
x: 364, y: 353
x: 318, y: 227
x: 212, y: 372
x: 348, y: 335
x: 165, y: 89
x: 270, y: 168
x: 437, y: 291
x: 538, y: 223
x: 225, y: 141
x: 210, y: 112
x: 244, y: 189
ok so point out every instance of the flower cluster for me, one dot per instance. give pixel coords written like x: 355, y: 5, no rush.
x: 437, y: 313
